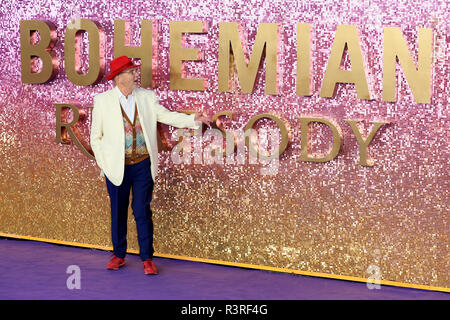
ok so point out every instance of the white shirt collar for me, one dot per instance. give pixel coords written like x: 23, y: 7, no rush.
x: 121, y: 94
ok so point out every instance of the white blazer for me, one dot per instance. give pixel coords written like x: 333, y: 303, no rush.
x: 108, y: 132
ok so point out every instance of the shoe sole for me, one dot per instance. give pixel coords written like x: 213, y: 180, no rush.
x: 120, y: 265
x: 150, y: 273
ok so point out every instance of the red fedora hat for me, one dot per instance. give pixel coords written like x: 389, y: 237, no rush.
x: 120, y: 64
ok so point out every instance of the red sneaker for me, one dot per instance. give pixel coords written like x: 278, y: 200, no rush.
x: 149, y: 267
x: 115, y: 263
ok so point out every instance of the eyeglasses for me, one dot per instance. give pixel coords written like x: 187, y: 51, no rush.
x: 132, y: 71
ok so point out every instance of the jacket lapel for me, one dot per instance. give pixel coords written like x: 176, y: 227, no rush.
x: 143, y: 111
x: 140, y: 104
x: 116, y: 110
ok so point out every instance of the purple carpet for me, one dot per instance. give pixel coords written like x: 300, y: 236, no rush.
x: 37, y: 271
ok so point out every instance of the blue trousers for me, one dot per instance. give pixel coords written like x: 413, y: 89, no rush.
x: 138, y: 179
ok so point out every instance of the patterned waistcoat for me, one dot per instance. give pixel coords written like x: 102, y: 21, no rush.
x: 135, y: 148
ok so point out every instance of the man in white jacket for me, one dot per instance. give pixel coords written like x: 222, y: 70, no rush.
x: 124, y: 142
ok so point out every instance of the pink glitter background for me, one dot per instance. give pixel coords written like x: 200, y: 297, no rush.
x: 316, y: 217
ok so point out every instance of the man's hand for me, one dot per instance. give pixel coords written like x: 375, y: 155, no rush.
x: 204, y: 118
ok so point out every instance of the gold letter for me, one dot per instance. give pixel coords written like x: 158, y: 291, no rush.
x: 178, y: 54
x: 30, y: 51
x: 346, y: 37
x: 164, y: 137
x: 364, y: 157
x: 72, y: 52
x: 305, y: 142
x: 230, y: 41
x: 216, y: 123
x: 419, y: 79
x: 64, y: 128
x: 145, y: 52
x: 285, y: 134
x: 303, y: 59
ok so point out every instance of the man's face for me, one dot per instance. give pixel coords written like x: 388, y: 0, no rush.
x: 128, y: 78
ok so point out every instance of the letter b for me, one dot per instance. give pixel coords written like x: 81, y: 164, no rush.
x: 30, y: 50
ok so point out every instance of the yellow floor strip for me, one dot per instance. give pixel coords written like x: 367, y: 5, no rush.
x: 237, y: 264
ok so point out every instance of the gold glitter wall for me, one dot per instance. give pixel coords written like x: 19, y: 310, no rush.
x: 336, y: 218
